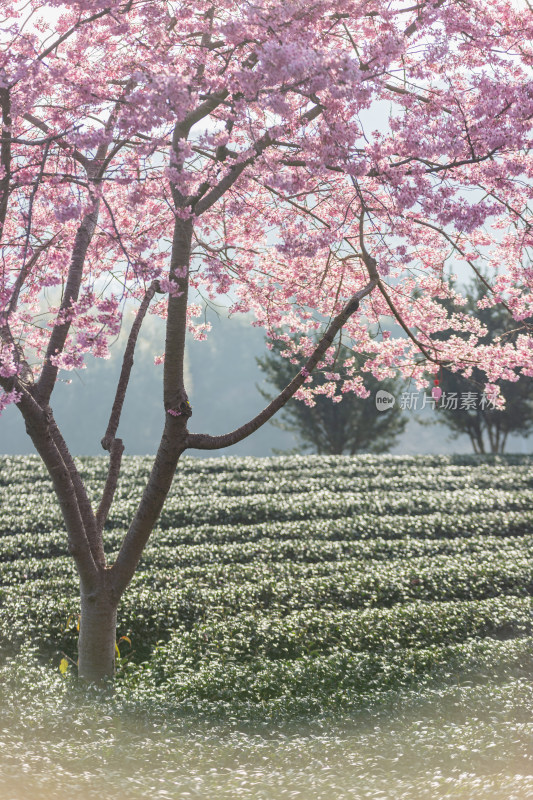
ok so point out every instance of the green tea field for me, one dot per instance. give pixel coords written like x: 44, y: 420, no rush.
x: 297, y: 588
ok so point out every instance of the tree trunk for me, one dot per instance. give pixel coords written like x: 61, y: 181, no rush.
x: 96, y: 643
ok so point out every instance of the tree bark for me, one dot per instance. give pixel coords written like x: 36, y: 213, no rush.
x: 96, y: 643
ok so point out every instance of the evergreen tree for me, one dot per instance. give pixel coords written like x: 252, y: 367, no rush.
x: 352, y: 426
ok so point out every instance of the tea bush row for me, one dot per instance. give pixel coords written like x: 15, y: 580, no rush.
x: 37, y: 515
x: 314, y: 631
x: 478, y: 527
x: 242, y: 629
x: 24, y: 469
x: 174, y: 547
x: 350, y: 582
x: 158, y: 602
x: 335, y: 680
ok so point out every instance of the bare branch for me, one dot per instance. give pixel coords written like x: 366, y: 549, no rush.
x: 236, y: 170
x: 38, y: 426
x: 90, y: 529
x: 170, y: 448
x: 175, y: 396
x: 109, y: 441
x: 127, y: 364
x: 115, y: 460
x: 231, y: 177
x: 398, y: 317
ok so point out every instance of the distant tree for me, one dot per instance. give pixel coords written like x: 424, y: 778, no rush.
x: 350, y: 426
x: 488, y: 428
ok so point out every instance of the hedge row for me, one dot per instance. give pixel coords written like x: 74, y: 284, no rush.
x: 363, y: 464
x: 313, y: 631
x: 36, y: 515
x: 350, y: 582
x: 436, y: 532
x: 160, y: 601
x: 338, y: 679
x: 240, y: 628
x: 277, y: 482
x: 27, y: 557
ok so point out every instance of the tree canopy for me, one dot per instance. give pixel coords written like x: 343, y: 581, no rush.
x: 122, y: 119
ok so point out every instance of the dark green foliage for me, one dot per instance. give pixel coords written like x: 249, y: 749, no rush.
x: 351, y: 426
x: 300, y: 582
x: 488, y: 429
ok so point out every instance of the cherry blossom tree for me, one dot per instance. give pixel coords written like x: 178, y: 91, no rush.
x: 316, y: 164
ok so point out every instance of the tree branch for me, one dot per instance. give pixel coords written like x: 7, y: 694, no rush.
x: 58, y: 337
x: 460, y: 250
x: 38, y: 427
x: 70, y: 149
x: 110, y: 442
x: 228, y: 180
x: 92, y: 533
x: 69, y: 33
x: 84, y: 234
x: 175, y: 396
x: 175, y: 440
x: 413, y: 27
x: 19, y: 283
x: 202, y: 441
x: 127, y: 364
x: 414, y: 95
x: 171, y: 447
x: 201, y: 111
x: 5, y: 155
x: 177, y: 410
x: 371, y: 266
x: 116, y: 449
x: 6, y: 335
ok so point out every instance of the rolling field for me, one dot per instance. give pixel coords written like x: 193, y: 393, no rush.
x: 299, y: 583
x: 300, y: 627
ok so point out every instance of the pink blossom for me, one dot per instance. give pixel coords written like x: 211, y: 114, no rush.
x: 272, y: 168
x: 6, y: 398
